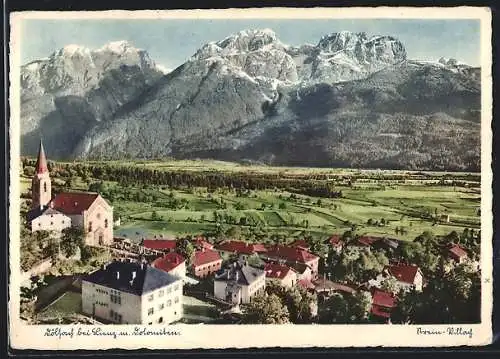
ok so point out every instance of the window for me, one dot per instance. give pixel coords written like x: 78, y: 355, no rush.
x: 106, y: 223
x: 45, y: 186
x: 151, y: 311
x: 176, y: 300
x: 161, y: 293
x: 160, y: 320
x: 169, y: 290
x: 98, y: 216
x: 115, y: 297
x: 150, y: 298
x: 90, y: 226
x: 51, y: 223
x: 62, y: 221
x: 111, y: 313
x: 176, y: 287
x: 169, y: 303
x: 39, y: 224
x: 161, y: 306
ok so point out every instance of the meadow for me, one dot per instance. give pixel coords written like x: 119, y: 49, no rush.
x: 375, y: 204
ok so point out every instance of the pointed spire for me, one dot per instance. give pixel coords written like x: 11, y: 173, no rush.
x: 41, y: 162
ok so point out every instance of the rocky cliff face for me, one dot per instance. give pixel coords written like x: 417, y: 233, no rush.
x: 74, y: 89
x: 350, y: 100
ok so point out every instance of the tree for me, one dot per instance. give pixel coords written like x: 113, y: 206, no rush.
x: 71, y: 240
x: 360, y: 305
x: 185, y: 248
x: 266, y: 309
x: 390, y: 285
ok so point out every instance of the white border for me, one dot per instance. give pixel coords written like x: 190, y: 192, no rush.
x: 246, y: 336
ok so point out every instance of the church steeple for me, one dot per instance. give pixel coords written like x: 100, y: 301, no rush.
x: 41, y: 163
x: 41, y: 186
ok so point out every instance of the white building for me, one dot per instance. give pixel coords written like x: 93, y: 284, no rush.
x: 48, y: 219
x: 132, y: 293
x: 239, y: 283
x: 172, y: 263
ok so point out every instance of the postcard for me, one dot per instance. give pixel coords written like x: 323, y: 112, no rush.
x: 250, y: 178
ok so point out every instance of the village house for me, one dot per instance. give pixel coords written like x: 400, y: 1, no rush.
x: 48, y: 219
x: 239, y: 283
x: 292, y: 256
x: 85, y: 210
x: 164, y: 245
x: 364, y: 242
x: 301, y: 244
x: 407, y: 276
x: 327, y: 287
x: 240, y: 248
x: 457, y: 253
x: 281, y: 274
x: 172, y: 263
x: 200, y: 243
x: 383, y: 304
x: 206, y: 262
x: 132, y: 293
x: 336, y: 243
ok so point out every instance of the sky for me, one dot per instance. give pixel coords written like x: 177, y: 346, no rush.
x: 170, y: 42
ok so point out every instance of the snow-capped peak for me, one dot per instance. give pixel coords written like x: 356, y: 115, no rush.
x: 117, y: 46
x: 163, y: 69
x: 73, y: 49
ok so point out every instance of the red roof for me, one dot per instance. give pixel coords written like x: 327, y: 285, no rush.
x: 168, y: 262
x: 73, y: 202
x: 381, y: 311
x: 404, y: 272
x: 306, y: 284
x: 41, y: 162
x: 291, y: 254
x: 276, y: 270
x: 367, y: 241
x: 159, y: 244
x: 300, y: 243
x: 202, y: 243
x: 241, y: 247
x: 383, y: 299
x: 457, y: 251
x: 205, y: 256
x: 335, y: 240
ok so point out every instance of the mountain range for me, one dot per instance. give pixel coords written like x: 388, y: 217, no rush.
x: 351, y: 100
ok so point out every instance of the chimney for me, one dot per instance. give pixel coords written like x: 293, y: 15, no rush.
x: 118, y: 275
x: 134, y: 274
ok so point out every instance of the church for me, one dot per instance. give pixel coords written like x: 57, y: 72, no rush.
x: 85, y: 210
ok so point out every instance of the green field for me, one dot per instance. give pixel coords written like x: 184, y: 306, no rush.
x: 375, y: 204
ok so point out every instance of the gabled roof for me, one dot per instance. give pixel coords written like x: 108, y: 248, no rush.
x: 37, y: 212
x: 457, y: 251
x: 367, y: 240
x: 205, y: 256
x: 168, y: 262
x: 41, y: 162
x: 306, y: 284
x: 335, y: 240
x: 200, y: 243
x: 240, y: 273
x: 291, y: 254
x: 120, y: 276
x: 73, y: 202
x: 277, y: 271
x: 300, y: 243
x: 327, y: 285
x: 241, y: 247
x: 159, y: 244
x: 405, y: 273
x: 383, y: 299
